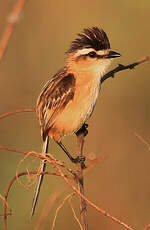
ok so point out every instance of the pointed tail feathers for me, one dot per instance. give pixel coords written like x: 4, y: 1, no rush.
x: 43, y: 168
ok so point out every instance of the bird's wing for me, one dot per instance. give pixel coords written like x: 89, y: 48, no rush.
x: 54, y: 97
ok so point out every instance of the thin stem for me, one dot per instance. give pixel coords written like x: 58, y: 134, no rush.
x: 83, y: 205
x: 60, y: 173
x: 10, y: 27
x: 122, y: 67
x: 16, y: 111
x: 9, y: 188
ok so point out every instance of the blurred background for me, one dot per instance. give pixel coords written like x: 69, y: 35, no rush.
x: 120, y: 183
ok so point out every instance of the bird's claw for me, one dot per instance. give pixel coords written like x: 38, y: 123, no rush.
x: 83, y: 130
x: 79, y: 159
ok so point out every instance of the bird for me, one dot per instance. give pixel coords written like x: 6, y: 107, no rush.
x: 68, y: 99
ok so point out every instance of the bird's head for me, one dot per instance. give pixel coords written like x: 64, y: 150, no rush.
x: 90, y: 51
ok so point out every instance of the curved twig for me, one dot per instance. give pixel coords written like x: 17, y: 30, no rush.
x: 9, y: 188
x: 122, y: 67
x: 16, y: 111
x: 56, y: 165
x: 88, y: 201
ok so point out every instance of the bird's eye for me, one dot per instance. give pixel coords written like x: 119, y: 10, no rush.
x: 92, y: 54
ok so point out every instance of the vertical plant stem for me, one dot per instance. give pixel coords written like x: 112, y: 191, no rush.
x: 11, y: 24
x: 83, y: 205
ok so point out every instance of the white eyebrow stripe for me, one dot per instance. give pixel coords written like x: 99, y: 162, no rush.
x: 84, y: 51
x: 102, y: 52
x: 88, y: 50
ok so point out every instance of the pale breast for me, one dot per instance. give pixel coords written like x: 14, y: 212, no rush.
x: 87, y: 97
x: 80, y: 108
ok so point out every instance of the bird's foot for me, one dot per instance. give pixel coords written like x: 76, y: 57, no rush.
x: 79, y: 159
x: 83, y: 130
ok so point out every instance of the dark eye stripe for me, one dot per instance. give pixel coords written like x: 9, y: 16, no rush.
x: 91, y: 54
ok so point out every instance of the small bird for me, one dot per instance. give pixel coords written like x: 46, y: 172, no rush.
x: 69, y: 97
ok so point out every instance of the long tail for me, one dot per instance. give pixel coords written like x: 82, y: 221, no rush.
x: 43, y: 167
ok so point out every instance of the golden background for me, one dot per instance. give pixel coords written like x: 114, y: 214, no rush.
x: 120, y: 183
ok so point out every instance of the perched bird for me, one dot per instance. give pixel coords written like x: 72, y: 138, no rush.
x: 69, y: 97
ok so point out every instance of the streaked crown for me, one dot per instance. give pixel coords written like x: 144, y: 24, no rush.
x: 90, y: 38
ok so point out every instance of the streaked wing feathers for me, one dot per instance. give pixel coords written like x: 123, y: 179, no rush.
x: 55, y: 95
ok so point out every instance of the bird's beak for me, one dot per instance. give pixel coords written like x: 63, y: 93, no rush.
x: 113, y: 54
